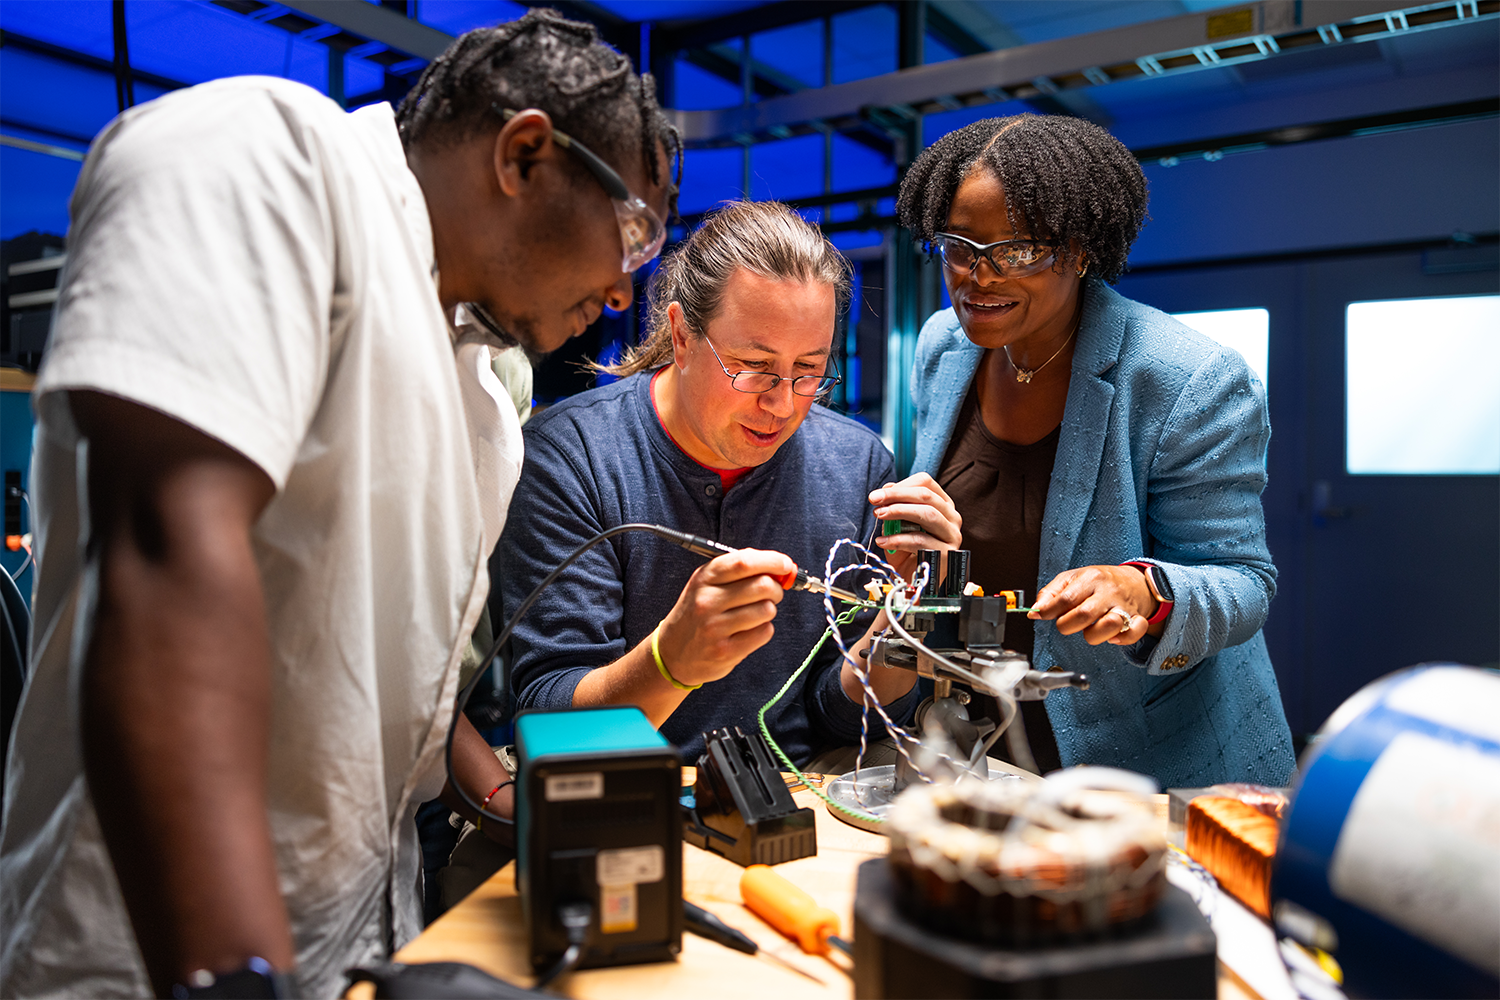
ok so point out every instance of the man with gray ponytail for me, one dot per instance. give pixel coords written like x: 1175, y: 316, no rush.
x: 713, y: 430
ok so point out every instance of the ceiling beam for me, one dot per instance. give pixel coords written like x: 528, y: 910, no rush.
x: 1213, y: 148
x: 47, y: 149
x: 379, y: 24
x: 951, y: 33
x: 1261, y: 30
x: 38, y: 47
x: 693, y: 34
x: 714, y: 60
x: 1391, y: 121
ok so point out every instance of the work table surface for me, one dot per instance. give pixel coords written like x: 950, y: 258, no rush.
x: 485, y: 930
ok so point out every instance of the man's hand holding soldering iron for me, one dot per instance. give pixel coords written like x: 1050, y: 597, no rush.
x: 728, y: 608
x: 723, y: 615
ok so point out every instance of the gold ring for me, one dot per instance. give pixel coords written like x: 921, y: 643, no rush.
x: 1125, y: 616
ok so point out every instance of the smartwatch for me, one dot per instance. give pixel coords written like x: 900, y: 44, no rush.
x: 255, y: 979
x: 1156, y: 582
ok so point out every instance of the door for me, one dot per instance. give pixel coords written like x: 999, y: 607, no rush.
x: 1400, y: 568
x: 1377, y: 571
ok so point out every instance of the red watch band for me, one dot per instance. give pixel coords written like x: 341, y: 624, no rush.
x: 1163, y: 608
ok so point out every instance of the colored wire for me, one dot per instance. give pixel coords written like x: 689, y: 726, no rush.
x: 676, y: 537
x: 765, y: 730
x: 25, y: 563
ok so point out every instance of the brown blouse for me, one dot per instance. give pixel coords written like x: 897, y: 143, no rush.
x: 1000, y: 489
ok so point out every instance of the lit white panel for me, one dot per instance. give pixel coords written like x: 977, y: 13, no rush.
x: 1245, y: 330
x: 1423, y: 386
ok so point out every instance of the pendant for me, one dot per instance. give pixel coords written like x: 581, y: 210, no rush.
x: 1022, y: 375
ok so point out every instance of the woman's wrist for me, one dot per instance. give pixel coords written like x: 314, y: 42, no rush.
x: 1158, y: 590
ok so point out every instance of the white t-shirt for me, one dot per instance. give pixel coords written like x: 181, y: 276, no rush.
x: 254, y: 262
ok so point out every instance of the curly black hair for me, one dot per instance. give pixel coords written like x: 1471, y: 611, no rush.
x: 1065, y: 179
x: 543, y: 61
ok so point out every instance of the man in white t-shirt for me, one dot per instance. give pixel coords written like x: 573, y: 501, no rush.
x: 271, y: 462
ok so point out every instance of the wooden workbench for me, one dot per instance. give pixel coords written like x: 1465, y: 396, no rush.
x: 485, y: 930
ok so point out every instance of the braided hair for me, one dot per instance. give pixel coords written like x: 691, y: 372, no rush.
x: 1065, y: 179
x: 543, y: 61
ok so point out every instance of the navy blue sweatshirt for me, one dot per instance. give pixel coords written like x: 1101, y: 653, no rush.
x: 602, y: 458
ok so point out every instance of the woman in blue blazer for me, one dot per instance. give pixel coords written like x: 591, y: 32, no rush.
x: 1100, y: 452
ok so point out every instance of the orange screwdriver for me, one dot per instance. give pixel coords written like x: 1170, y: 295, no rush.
x: 791, y: 911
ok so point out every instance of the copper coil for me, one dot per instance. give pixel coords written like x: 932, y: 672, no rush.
x: 962, y: 868
x: 1235, y: 841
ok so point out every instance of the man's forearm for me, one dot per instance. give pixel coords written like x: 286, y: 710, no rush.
x: 631, y: 680
x: 479, y: 772
x: 887, y: 684
x: 176, y: 764
x: 176, y: 694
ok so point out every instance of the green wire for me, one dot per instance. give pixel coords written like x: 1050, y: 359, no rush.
x: 765, y: 730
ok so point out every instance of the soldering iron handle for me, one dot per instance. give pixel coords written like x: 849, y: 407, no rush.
x: 710, y: 549
x: 788, y: 909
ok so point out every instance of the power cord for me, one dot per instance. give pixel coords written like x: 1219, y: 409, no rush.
x: 494, y: 651
x: 680, y: 538
x: 22, y: 541
x: 575, y: 918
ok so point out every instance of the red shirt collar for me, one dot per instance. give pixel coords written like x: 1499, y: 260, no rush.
x: 727, y: 477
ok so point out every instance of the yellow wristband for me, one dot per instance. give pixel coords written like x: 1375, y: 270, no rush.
x: 662, y: 667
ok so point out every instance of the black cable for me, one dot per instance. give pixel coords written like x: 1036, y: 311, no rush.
x: 124, y: 81
x: 16, y: 491
x: 680, y: 538
x: 575, y: 918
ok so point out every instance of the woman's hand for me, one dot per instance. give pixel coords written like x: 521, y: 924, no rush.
x: 920, y: 502
x: 1105, y: 603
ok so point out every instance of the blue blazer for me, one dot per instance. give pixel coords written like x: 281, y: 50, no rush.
x: 1162, y: 458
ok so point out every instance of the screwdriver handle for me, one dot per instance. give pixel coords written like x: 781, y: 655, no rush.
x: 788, y: 909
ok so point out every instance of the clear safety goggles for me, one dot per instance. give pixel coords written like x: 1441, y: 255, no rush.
x: 641, y: 230
x: 1009, y: 258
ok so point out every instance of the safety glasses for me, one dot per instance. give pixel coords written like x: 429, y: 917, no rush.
x: 641, y: 230
x: 1009, y: 258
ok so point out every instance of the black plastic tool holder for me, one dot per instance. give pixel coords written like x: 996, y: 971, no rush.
x: 742, y: 808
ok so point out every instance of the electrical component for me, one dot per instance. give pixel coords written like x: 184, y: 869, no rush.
x: 598, y: 838
x: 951, y: 636
x: 742, y: 809
x: 1171, y: 954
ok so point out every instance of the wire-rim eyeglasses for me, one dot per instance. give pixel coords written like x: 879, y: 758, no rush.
x: 758, y: 382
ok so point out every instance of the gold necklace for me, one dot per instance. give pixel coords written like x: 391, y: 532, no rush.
x: 1025, y: 374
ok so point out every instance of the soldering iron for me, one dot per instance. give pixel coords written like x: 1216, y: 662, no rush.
x: 796, y: 580
x: 452, y: 979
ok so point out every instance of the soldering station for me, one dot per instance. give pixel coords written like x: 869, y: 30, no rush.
x: 602, y: 815
x: 995, y: 885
